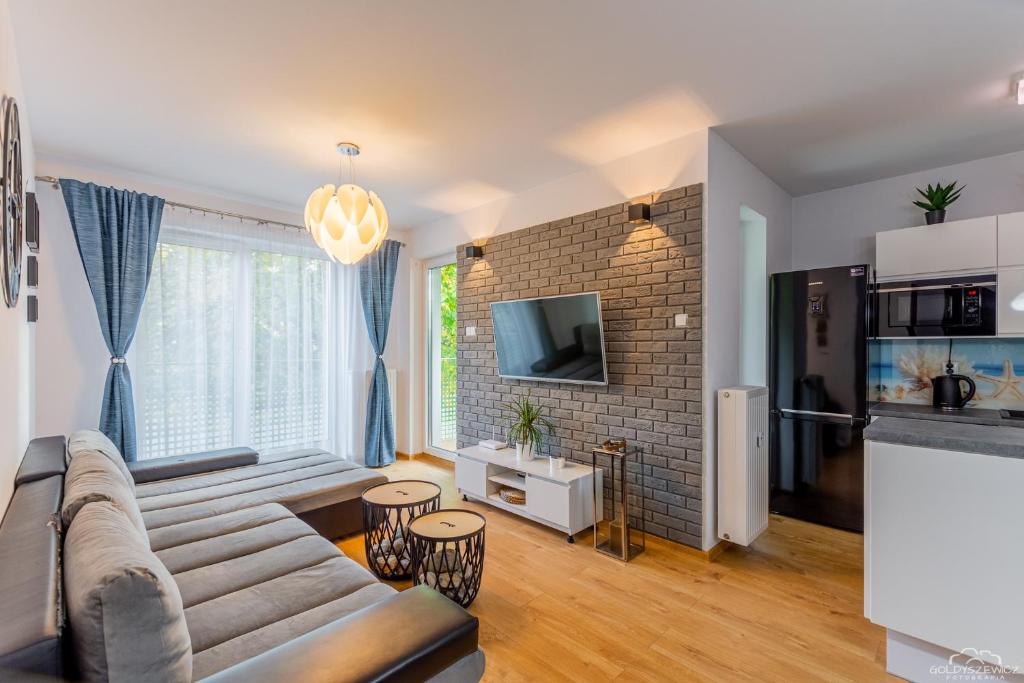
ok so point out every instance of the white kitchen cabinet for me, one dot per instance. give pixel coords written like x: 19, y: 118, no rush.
x: 1011, y: 239
x: 1011, y: 302
x: 943, y: 547
x: 960, y: 246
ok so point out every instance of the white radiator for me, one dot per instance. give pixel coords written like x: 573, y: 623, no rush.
x: 742, y: 463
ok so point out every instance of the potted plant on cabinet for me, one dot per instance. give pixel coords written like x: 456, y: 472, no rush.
x: 936, y: 199
x: 528, y: 422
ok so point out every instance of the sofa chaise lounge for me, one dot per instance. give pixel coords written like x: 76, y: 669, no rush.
x: 207, y: 567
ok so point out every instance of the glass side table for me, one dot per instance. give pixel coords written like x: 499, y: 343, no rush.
x: 615, y: 536
x: 387, y: 510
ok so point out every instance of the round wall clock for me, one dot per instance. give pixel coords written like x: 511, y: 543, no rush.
x: 13, y: 197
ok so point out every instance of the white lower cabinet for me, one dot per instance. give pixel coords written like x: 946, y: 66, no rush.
x: 471, y: 477
x: 944, y: 547
x: 560, y: 498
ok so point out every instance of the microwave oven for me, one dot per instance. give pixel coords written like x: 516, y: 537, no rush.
x: 946, y: 307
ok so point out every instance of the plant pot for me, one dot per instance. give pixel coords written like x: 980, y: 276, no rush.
x: 555, y: 464
x: 936, y: 216
x: 524, y: 451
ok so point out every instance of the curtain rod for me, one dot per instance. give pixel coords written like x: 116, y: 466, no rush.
x: 202, y: 209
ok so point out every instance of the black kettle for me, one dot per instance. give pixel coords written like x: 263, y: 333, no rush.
x: 947, y: 393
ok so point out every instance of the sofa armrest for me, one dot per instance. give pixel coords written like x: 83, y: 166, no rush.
x: 410, y: 636
x: 194, y: 463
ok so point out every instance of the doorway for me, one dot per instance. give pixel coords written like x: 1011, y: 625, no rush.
x: 442, y: 390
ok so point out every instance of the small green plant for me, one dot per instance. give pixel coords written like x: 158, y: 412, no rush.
x: 528, y: 421
x: 939, y: 197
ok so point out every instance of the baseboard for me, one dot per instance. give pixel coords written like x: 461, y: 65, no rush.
x: 426, y: 457
x: 716, y: 550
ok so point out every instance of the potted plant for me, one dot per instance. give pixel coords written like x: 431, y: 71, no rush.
x: 936, y: 199
x: 527, y: 424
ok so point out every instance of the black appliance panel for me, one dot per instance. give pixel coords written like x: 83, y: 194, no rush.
x: 817, y: 470
x: 817, y: 340
x: 951, y: 307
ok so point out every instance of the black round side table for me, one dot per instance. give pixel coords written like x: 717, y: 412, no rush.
x: 387, y: 510
x: 448, y: 552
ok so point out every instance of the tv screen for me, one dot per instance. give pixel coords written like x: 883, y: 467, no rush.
x: 551, y: 339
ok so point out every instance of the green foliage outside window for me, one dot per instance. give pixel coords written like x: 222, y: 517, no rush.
x: 448, y: 351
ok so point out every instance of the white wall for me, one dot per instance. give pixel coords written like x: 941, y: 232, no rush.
x: 733, y: 182
x: 673, y: 164
x: 837, y: 227
x: 16, y: 355
x: 70, y: 380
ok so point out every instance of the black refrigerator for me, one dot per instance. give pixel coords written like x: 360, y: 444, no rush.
x: 817, y: 382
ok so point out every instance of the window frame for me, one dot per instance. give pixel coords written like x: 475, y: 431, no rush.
x: 428, y: 370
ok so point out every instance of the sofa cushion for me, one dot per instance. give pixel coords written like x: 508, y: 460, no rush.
x: 268, y: 464
x: 259, y: 640
x: 91, y: 478
x: 93, y: 440
x: 217, y: 525
x: 127, y: 620
x: 308, y: 489
x: 209, y: 551
x: 243, y: 611
x: 214, y: 580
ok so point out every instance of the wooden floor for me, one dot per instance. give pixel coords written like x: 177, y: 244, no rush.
x: 788, y: 608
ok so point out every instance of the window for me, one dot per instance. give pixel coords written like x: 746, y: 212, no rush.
x: 441, y: 383
x: 232, y: 347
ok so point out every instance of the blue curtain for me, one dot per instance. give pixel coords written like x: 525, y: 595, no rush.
x: 376, y: 286
x: 116, y: 232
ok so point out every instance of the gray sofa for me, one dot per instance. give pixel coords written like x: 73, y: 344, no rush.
x: 202, y: 568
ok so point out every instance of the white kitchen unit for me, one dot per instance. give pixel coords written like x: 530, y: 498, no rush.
x: 944, y: 547
x: 960, y: 246
x: 560, y: 498
x: 1010, y: 313
x: 1011, y: 239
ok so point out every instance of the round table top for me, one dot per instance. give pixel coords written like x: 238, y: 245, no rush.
x: 401, y: 493
x: 447, y: 524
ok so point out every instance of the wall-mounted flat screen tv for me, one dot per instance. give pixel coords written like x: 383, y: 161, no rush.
x: 551, y: 339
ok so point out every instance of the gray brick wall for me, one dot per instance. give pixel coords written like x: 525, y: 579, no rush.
x: 645, y: 274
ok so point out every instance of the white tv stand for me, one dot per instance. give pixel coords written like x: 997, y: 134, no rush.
x: 562, y: 499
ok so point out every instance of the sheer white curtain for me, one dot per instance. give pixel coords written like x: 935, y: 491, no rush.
x: 246, y: 338
x: 355, y: 359
x: 184, y: 352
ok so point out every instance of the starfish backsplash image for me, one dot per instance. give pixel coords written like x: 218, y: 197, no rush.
x: 902, y: 370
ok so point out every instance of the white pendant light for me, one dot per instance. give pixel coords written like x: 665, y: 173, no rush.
x: 347, y: 222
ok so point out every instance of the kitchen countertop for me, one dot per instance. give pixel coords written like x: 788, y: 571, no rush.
x: 978, y: 416
x: 1007, y: 442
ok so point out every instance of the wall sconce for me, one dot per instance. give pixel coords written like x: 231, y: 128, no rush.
x: 639, y: 213
x: 474, y: 252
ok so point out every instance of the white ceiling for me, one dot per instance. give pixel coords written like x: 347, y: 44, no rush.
x: 457, y: 103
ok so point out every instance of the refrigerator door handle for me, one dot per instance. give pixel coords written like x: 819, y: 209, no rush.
x: 815, y: 413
